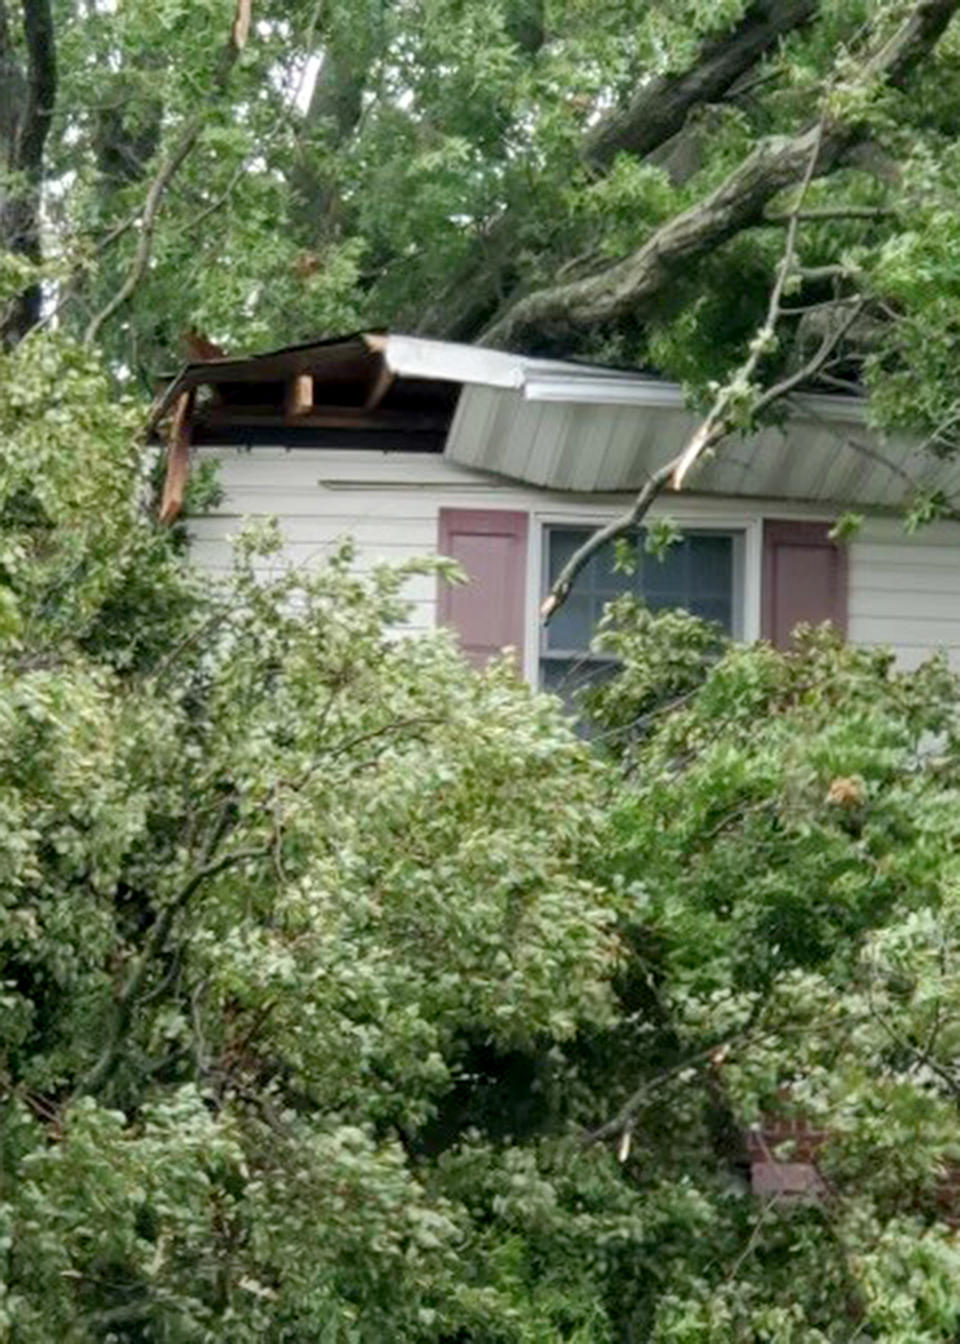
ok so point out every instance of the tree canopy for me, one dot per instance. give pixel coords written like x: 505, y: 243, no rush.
x: 346, y: 993
x: 622, y: 180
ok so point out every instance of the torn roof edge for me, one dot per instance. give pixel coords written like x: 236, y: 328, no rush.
x: 420, y: 357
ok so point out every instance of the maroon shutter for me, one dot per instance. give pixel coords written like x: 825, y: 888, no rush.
x: 804, y: 579
x: 488, y: 611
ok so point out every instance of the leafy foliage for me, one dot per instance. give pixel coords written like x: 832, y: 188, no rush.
x: 417, y: 165
x: 786, y: 834
x: 273, y: 878
x: 347, y: 994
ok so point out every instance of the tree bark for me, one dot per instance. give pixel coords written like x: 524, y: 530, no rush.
x: 27, y: 101
x: 659, y: 109
x: 11, y: 89
x: 635, y: 287
x: 654, y: 116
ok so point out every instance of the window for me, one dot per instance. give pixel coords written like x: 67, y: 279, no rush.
x: 702, y: 573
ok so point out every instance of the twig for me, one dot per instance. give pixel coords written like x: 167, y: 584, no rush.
x: 806, y: 371
x: 69, y: 293
x: 130, y: 996
x: 191, y: 225
x: 874, y: 455
x: 642, y: 720
x: 752, y: 1240
x: 835, y: 271
x: 625, y: 1118
x: 827, y: 212
x: 204, y: 628
x: 717, y: 424
x: 920, y: 1060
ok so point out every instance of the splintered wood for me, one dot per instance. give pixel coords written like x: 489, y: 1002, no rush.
x: 178, y: 460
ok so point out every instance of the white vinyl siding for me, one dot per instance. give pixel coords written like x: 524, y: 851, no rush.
x: 388, y: 504
x: 904, y: 592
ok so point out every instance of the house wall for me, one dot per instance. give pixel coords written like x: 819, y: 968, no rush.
x: 903, y: 591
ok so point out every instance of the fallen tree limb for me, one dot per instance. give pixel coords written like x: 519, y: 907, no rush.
x: 708, y: 434
x: 634, y: 288
x: 659, y: 108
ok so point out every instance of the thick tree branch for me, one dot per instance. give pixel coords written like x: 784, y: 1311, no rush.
x: 335, y: 108
x: 635, y: 286
x: 656, y: 113
x: 41, y: 86
x: 659, y: 108
x: 168, y: 169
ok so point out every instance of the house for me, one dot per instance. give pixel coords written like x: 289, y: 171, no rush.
x: 506, y: 463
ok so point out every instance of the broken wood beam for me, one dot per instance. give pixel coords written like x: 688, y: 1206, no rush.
x: 299, y: 397
x: 380, y: 386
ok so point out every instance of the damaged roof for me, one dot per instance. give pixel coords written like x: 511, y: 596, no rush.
x: 559, y: 424
x: 340, y: 365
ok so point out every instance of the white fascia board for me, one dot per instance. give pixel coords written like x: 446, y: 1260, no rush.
x: 415, y: 357
x: 450, y: 361
x: 590, y: 390
x: 564, y: 381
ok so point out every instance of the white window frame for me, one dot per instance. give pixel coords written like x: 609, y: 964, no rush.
x: 695, y: 514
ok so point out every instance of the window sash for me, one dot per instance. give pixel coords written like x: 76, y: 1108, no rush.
x: 595, y: 587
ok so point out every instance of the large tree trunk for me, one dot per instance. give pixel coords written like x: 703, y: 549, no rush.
x: 636, y: 287
x: 659, y: 109
x: 654, y: 116
x: 335, y: 106
x: 27, y: 100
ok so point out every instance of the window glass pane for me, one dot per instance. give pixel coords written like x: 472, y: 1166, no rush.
x: 561, y: 544
x: 572, y: 626
x: 671, y: 574
x: 711, y: 562
x: 615, y: 582
x: 716, y: 609
x: 611, y: 582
